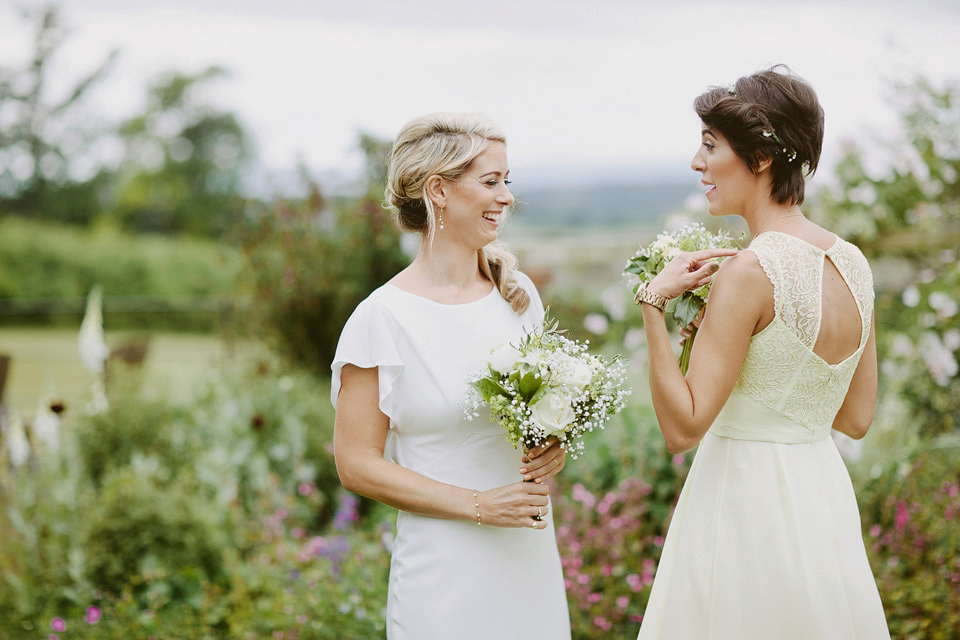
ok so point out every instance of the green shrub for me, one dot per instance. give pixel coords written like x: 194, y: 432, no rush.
x: 612, y: 508
x: 185, y: 281
x: 161, y: 538
x: 131, y: 427
x: 911, y: 517
x: 310, y: 263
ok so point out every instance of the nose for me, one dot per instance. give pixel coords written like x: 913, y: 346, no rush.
x: 505, y: 197
x: 697, y: 163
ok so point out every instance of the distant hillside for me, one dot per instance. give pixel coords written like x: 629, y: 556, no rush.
x: 600, y: 206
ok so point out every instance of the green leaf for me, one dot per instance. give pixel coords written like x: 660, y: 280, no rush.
x: 490, y: 389
x: 686, y: 310
x: 529, y: 385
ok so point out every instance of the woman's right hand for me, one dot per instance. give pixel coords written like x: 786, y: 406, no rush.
x: 515, y: 505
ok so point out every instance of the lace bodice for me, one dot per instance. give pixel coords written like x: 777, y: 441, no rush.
x: 782, y: 380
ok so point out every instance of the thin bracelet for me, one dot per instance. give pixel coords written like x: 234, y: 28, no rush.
x: 476, y: 502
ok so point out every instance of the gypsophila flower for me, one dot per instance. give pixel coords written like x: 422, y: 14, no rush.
x: 651, y: 260
x: 548, y: 385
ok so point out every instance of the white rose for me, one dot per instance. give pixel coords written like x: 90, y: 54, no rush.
x: 536, y: 357
x: 553, y: 413
x: 504, y: 357
x: 573, y: 372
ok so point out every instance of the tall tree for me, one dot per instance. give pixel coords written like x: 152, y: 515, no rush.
x: 41, y: 137
x: 184, y: 160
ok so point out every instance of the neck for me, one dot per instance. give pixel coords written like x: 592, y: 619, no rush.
x: 449, y: 267
x: 770, y: 218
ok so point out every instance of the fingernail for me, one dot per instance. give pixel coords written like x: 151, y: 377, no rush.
x: 522, y: 471
x: 527, y: 477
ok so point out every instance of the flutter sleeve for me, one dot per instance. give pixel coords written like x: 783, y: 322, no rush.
x: 369, y: 339
x: 533, y: 316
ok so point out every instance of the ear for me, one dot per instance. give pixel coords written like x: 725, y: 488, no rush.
x: 434, y: 190
x: 763, y: 163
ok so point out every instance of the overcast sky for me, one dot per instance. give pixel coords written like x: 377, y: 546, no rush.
x: 581, y: 87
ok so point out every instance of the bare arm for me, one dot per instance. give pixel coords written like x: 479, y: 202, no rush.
x: 360, y: 434
x: 856, y: 412
x: 686, y: 407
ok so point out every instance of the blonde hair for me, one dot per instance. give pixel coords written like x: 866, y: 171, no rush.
x: 445, y: 144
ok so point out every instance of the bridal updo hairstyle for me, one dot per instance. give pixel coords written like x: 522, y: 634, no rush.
x: 445, y: 144
x: 769, y: 114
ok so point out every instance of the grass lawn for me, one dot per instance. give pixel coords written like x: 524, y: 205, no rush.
x: 45, y: 365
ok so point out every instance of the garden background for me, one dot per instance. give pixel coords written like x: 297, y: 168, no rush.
x: 165, y: 339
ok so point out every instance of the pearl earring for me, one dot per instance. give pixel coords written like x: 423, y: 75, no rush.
x: 440, y: 218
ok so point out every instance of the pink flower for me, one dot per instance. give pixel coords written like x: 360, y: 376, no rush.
x: 594, y: 598
x: 623, y: 601
x: 679, y: 459
x: 305, y: 488
x: 875, y: 531
x: 903, y: 516
x: 581, y: 495
x: 603, y: 623
x: 58, y: 625
x: 92, y: 615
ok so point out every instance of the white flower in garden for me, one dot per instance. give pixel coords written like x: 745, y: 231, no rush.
x: 504, y: 357
x: 93, y: 350
x: 553, y: 413
x: 951, y: 339
x: 46, y: 424
x: 939, y: 359
x: 944, y: 305
x: 596, y: 323
x: 574, y: 372
x: 911, y: 296
x: 17, y: 444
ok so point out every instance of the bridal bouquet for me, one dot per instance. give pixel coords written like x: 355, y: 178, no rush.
x: 548, y: 385
x: 650, y: 260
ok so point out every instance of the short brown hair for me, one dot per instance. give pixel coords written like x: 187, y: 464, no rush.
x: 772, y: 113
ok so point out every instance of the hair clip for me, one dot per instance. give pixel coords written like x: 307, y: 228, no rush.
x: 789, y: 154
x: 732, y: 88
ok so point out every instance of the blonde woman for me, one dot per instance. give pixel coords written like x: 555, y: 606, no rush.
x: 475, y: 554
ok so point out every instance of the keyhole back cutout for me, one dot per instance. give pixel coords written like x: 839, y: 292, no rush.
x: 840, y: 324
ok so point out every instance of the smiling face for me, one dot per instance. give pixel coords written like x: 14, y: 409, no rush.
x: 729, y: 180
x: 476, y: 202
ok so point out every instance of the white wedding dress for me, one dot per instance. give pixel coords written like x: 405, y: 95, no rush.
x: 451, y: 579
x: 765, y: 542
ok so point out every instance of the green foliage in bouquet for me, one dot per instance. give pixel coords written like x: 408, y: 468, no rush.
x: 651, y: 260
x: 548, y: 385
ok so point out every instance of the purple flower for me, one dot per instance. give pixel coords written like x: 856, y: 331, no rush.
x: 346, y: 513
x: 58, y: 625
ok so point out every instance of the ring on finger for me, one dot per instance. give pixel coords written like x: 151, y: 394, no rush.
x: 539, y: 513
x: 556, y: 463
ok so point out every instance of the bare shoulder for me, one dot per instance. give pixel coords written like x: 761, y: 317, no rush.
x: 741, y: 271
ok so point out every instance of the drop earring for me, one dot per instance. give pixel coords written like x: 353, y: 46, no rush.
x: 440, y: 218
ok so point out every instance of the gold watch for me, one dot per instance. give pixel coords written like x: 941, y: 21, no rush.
x: 651, y: 298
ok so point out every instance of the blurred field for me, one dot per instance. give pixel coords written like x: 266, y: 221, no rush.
x: 45, y: 364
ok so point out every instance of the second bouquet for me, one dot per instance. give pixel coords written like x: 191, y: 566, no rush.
x: 548, y: 385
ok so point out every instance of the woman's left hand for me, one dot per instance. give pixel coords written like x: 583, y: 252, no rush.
x: 689, y: 270
x: 543, y: 461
